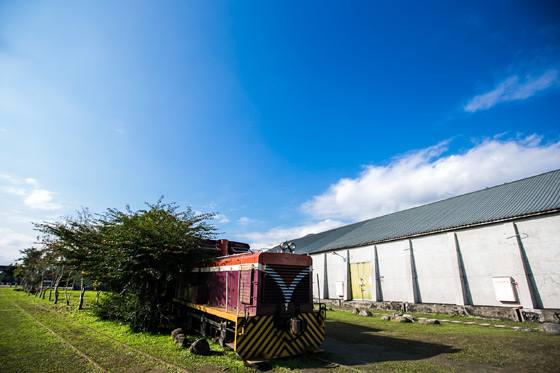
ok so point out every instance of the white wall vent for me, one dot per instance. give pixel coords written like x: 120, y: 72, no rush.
x: 340, y: 289
x: 505, y: 289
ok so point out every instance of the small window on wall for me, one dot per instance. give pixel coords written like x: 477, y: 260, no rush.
x: 504, y: 287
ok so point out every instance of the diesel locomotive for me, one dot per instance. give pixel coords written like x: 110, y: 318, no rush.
x: 259, y: 304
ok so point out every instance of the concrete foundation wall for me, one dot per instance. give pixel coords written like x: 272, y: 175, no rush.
x: 457, y: 268
x: 486, y: 312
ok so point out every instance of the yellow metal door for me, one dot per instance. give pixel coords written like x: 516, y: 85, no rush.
x: 360, y: 274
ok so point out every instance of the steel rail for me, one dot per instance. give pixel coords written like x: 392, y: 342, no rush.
x: 99, y: 367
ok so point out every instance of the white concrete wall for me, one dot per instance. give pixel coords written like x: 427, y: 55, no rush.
x: 487, y: 251
x: 319, y: 276
x: 337, y: 270
x: 541, y: 241
x: 436, y: 268
x: 361, y: 254
x: 394, y: 271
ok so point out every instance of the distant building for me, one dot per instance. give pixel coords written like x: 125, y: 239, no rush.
x: 494, y: 252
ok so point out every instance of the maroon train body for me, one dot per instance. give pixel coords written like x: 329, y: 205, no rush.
x: 260, y: 304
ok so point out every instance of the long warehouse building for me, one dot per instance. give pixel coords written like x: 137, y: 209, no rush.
x: 492, y: 253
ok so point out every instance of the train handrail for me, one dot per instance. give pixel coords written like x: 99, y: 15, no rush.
x: 322, y: 311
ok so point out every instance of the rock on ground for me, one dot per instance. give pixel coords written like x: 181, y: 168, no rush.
x: 550, y: 328
x: 428, y: 321
x: 180, y: 339
x: 410, y: 317
x: 522, y: 329
x: 200, y: 347
x: 400, y: 319
x: 175, y: 332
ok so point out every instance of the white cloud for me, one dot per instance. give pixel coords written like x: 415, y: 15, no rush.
x: 222, y: 218
x: 29, y: 189
x: 414, y: 179
x: 425, y: 176
x: 513, y: 89
x: 245, y: 221
x: 11, y: 243
x: 277, y: 235
x: 14, y: 191
x: 41, y: 199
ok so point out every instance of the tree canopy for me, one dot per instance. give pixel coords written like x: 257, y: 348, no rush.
x: 138, y: 255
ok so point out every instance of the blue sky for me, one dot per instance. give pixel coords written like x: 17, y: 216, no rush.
x: 285, y: 118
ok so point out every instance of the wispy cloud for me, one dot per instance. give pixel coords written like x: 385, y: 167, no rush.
x: 34, y: 197
x: 513, y: 89
x: 273, y: 237
x: 244, y: 221
x: 11, y: 243
x: 221, y: 218
x: 41, y: 199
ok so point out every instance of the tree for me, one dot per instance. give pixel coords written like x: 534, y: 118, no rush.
x: 138, y: 255
x: 66, y: 244
x: 7, y: 275
x: 30, y: 269
x: 146, y: 252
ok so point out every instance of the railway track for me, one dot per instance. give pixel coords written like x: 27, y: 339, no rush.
x: 79, y: 338
x: 97, y: 348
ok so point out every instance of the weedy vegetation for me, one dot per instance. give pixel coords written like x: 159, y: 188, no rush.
x: 25, y: 346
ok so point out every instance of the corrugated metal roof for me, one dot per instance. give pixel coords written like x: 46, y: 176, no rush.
x: 533, y: 195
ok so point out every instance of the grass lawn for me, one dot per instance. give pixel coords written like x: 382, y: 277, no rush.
x: 447, y: 346
x: 356, y: 342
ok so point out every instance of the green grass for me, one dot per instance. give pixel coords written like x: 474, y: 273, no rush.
x: 27, y: 347
x: 111, y: 357
x: 458, y: 344
x: 94, y: 345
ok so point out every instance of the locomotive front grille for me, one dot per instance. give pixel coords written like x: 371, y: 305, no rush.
x: 287, y: 284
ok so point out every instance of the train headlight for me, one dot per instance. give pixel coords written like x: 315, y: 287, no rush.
x: 288, y: 246
x: 292, y: 247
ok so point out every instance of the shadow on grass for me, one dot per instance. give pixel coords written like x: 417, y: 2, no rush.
x: 351, y: 344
